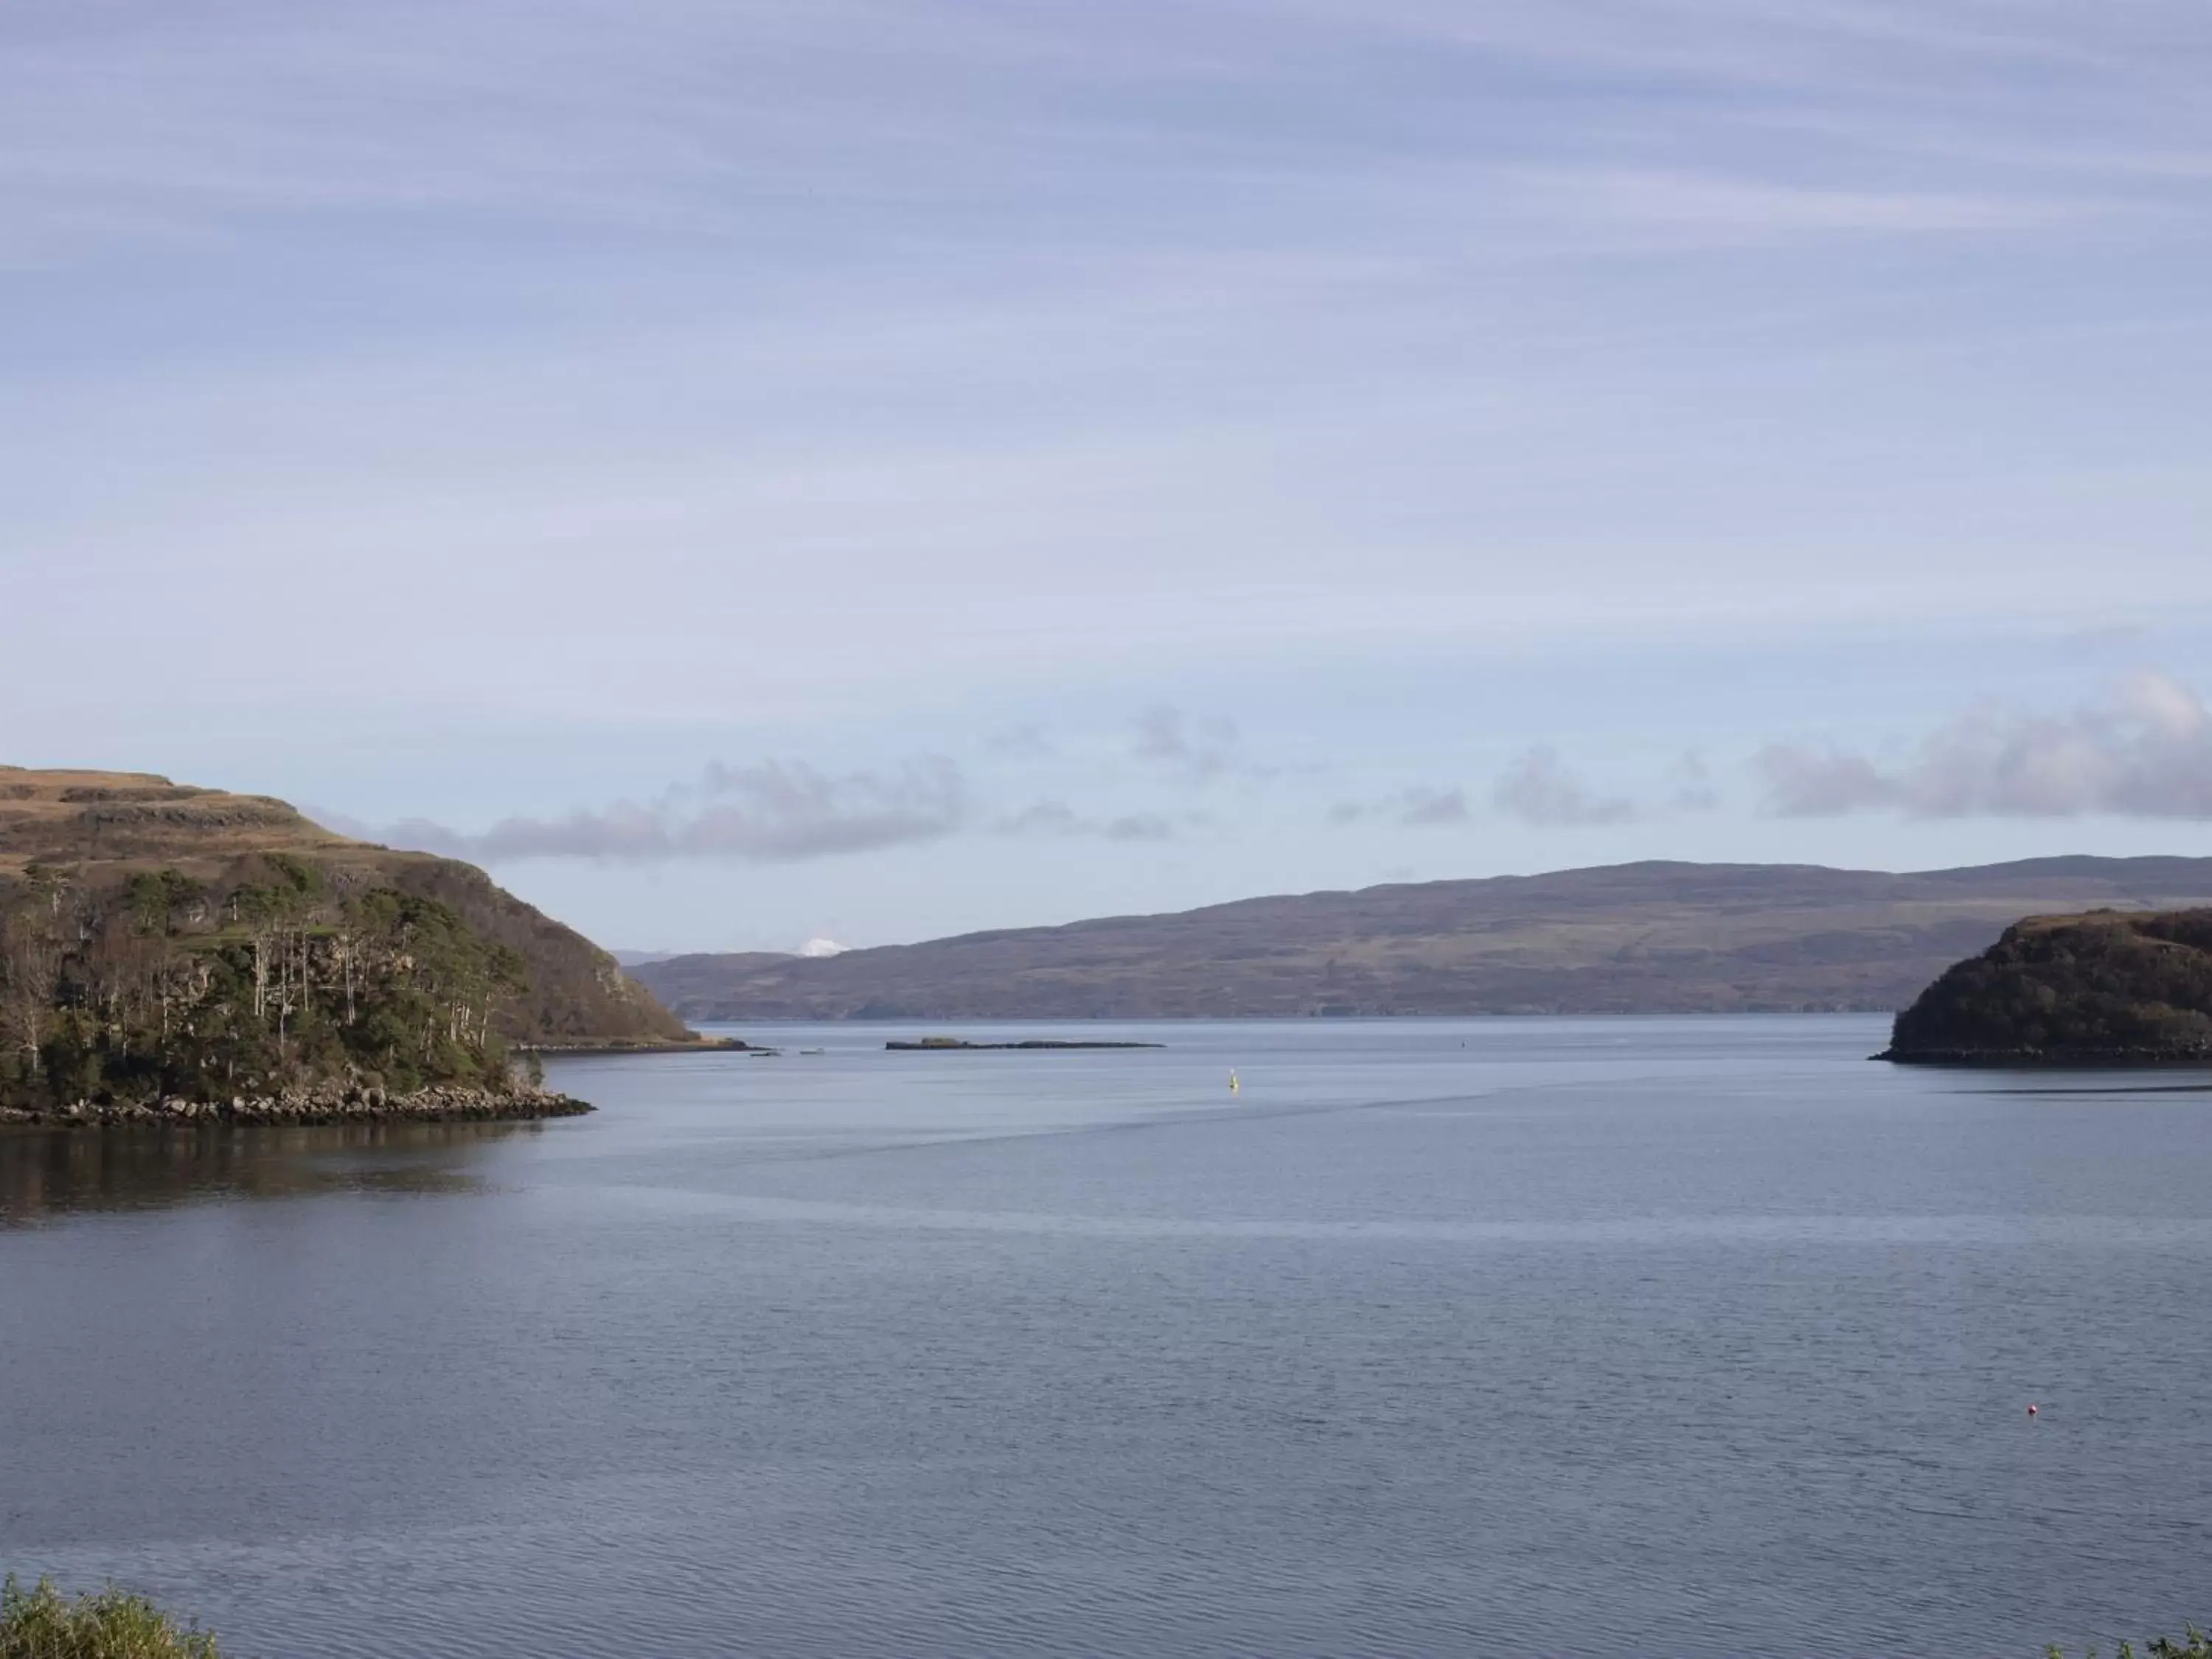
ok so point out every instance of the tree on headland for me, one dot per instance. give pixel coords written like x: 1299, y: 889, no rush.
x: 30, y: 973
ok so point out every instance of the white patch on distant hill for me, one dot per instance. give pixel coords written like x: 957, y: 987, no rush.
x: 822, y: 947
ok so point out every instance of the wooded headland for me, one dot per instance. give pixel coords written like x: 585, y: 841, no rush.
x: 173, y: 952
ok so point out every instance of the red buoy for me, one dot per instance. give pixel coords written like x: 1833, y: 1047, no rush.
x: 2031, y: 1411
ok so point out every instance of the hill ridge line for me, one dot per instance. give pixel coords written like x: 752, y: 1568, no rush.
x: 1661, y: 936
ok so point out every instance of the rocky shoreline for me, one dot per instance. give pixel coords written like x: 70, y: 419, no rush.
x: 351, y: 1103
x: 2057, y: 1059
x: 597, y: 1049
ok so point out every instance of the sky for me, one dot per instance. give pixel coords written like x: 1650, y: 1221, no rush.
x: 752, y: 473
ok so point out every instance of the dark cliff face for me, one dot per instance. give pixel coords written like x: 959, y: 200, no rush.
x: 2103, y: 989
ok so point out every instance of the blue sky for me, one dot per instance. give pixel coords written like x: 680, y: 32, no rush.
x: 752, y: 472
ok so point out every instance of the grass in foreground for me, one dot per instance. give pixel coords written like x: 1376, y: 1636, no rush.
x: 2194, y: 1645
x: 109, y: 1624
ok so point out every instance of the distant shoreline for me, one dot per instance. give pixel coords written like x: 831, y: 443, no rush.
x: 1655, y: 936
x: 958, y: 1046
x: 705, y: 1045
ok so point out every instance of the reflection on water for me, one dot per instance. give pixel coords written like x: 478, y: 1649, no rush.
x: 1584, y: 1337
x: 46, y: 1172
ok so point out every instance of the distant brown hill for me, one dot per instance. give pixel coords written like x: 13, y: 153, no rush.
x: 1654, y: 938
x: 100, y: 829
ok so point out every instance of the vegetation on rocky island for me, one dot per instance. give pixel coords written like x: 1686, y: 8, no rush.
x: 2112, y: 987
x: 273, y: 977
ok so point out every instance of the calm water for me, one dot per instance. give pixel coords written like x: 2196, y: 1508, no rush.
x: 1682, y: 1337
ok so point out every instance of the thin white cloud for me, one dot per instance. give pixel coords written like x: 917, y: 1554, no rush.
x: 1539, y: 790
x: 1737, y: 208
x: 1423, y: 808
x: 1044, y: 818
x: 1025, y: 741
x: 770, y: 813
x: 1058, y: 818
x: 1216, y: 354
x: 1141, y: 826
x: 1192, y: 748
x: 1781, y: 46
x: 147, y: 121
x: 1692, y: 787
x: 2143, y: 751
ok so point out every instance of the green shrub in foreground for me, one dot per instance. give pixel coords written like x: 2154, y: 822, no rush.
x: 109, y: 1624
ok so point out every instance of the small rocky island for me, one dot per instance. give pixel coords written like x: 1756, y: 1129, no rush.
x: 2110, y: 988
x: 170, y: 955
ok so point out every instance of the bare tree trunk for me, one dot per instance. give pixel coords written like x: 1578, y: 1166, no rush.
x: 30, y: 975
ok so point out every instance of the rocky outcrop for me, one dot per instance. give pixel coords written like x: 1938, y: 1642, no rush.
x: 334, y: 1104
x: 2109, y: 988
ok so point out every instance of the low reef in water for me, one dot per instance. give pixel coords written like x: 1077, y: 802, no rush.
x: 960, y: 1045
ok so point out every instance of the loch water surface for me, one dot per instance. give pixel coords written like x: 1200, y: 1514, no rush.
x: 1695, y: 1337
